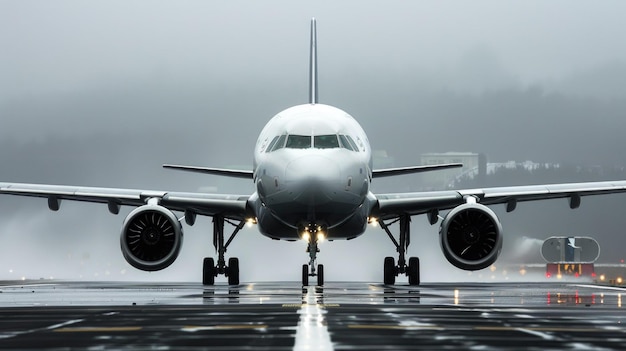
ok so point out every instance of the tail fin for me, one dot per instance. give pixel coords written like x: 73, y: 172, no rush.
x: 313, y: 64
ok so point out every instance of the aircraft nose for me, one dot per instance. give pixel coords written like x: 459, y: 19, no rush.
x: 313, y: 168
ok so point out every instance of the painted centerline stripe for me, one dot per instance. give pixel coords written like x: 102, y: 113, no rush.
x: 300, y: 305
x: 312, y: 332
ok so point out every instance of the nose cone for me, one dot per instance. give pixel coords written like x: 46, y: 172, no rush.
x: 313, y: 168
x: 313, y: 179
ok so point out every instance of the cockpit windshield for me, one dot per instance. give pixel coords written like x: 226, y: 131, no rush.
x: 348, y: 143
x: 277, y: 143
x: 330, y: 141
x: 298, y: 142
x: 326, y: 141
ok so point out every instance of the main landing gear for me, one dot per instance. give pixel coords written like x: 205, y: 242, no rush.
x: 313, y: 235
x: 209, y: 269
x: 391, y: 270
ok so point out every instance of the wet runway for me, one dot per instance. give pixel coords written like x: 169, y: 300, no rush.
x: 284, y: 316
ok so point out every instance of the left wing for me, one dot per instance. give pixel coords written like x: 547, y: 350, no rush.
x: 231, y: 206
x: 390, y: 205
x: 235, y: 173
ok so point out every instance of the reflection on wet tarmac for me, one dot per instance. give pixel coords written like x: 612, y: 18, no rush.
x: 218, y: 296
x: 286, y: 316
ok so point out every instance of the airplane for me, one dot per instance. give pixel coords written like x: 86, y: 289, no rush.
x: 312, y: 170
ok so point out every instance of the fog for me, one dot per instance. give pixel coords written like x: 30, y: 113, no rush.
x: 103, y: 93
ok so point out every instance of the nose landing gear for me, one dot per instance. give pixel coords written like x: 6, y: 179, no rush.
x: 313, y: 234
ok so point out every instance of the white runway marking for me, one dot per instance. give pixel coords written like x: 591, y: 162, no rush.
x: 312, y: 332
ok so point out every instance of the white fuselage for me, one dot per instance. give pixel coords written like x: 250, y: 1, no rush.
x: 312, y: 167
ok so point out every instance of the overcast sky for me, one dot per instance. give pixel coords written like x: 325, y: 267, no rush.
x: 102, y: 93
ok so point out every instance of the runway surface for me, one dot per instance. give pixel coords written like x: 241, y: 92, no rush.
x: 284, y: 316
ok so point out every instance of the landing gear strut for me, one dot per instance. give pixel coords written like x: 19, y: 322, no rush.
x: 391, y: 270
x: 313, y: 234
x: 209, y: 269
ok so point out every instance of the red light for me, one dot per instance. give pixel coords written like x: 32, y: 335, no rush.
x: 576, y: 275
x: 593, y: 275
x: 622, y: 260
x: 548, y: 275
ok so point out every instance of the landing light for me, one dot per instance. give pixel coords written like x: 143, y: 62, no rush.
x: 373, y: 221
x: 250, y: 221
x: 320, y: 236
x: 306, y: 236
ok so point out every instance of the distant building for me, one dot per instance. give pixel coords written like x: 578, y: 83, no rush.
x: 472, y: 162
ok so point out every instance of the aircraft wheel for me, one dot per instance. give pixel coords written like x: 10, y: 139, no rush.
x: 320, y: 274
x: 389, y: 271
x: 208, y: 271
x: 305, y: 275
x: 414, y: 271
x: 233, y: 271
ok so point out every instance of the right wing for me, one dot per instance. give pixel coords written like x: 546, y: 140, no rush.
x: 231, y: 206
x: 388, y: 172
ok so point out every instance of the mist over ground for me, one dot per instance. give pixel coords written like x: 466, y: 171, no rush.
x: 102, y: 94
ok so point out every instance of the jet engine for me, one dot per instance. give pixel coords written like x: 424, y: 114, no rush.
x: 471, y: 236
x: 151, y: 238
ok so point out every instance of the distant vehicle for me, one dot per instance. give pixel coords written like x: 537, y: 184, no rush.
x: 312, y: 169
x: 577, y: 270
x: 570, y: 256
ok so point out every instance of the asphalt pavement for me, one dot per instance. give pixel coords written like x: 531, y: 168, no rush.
x: 55, y: 315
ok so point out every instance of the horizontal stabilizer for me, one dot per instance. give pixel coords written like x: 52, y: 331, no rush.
x: 215, y: 171
x: 378, y: 173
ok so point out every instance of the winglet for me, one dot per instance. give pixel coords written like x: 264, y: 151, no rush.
x: 313, y: 64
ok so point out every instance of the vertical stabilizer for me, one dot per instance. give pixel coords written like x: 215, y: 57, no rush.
x: 313, y: 64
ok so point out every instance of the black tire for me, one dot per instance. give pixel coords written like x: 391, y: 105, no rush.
x: 320, y: 274
x: 414, y: 271
x: 389, y: 271
x: 233, y: 271
x: 208, y: 271
x: 305, y: 275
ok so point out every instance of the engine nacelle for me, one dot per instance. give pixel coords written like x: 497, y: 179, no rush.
x: 471, y: 236
x: 151, y: 238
